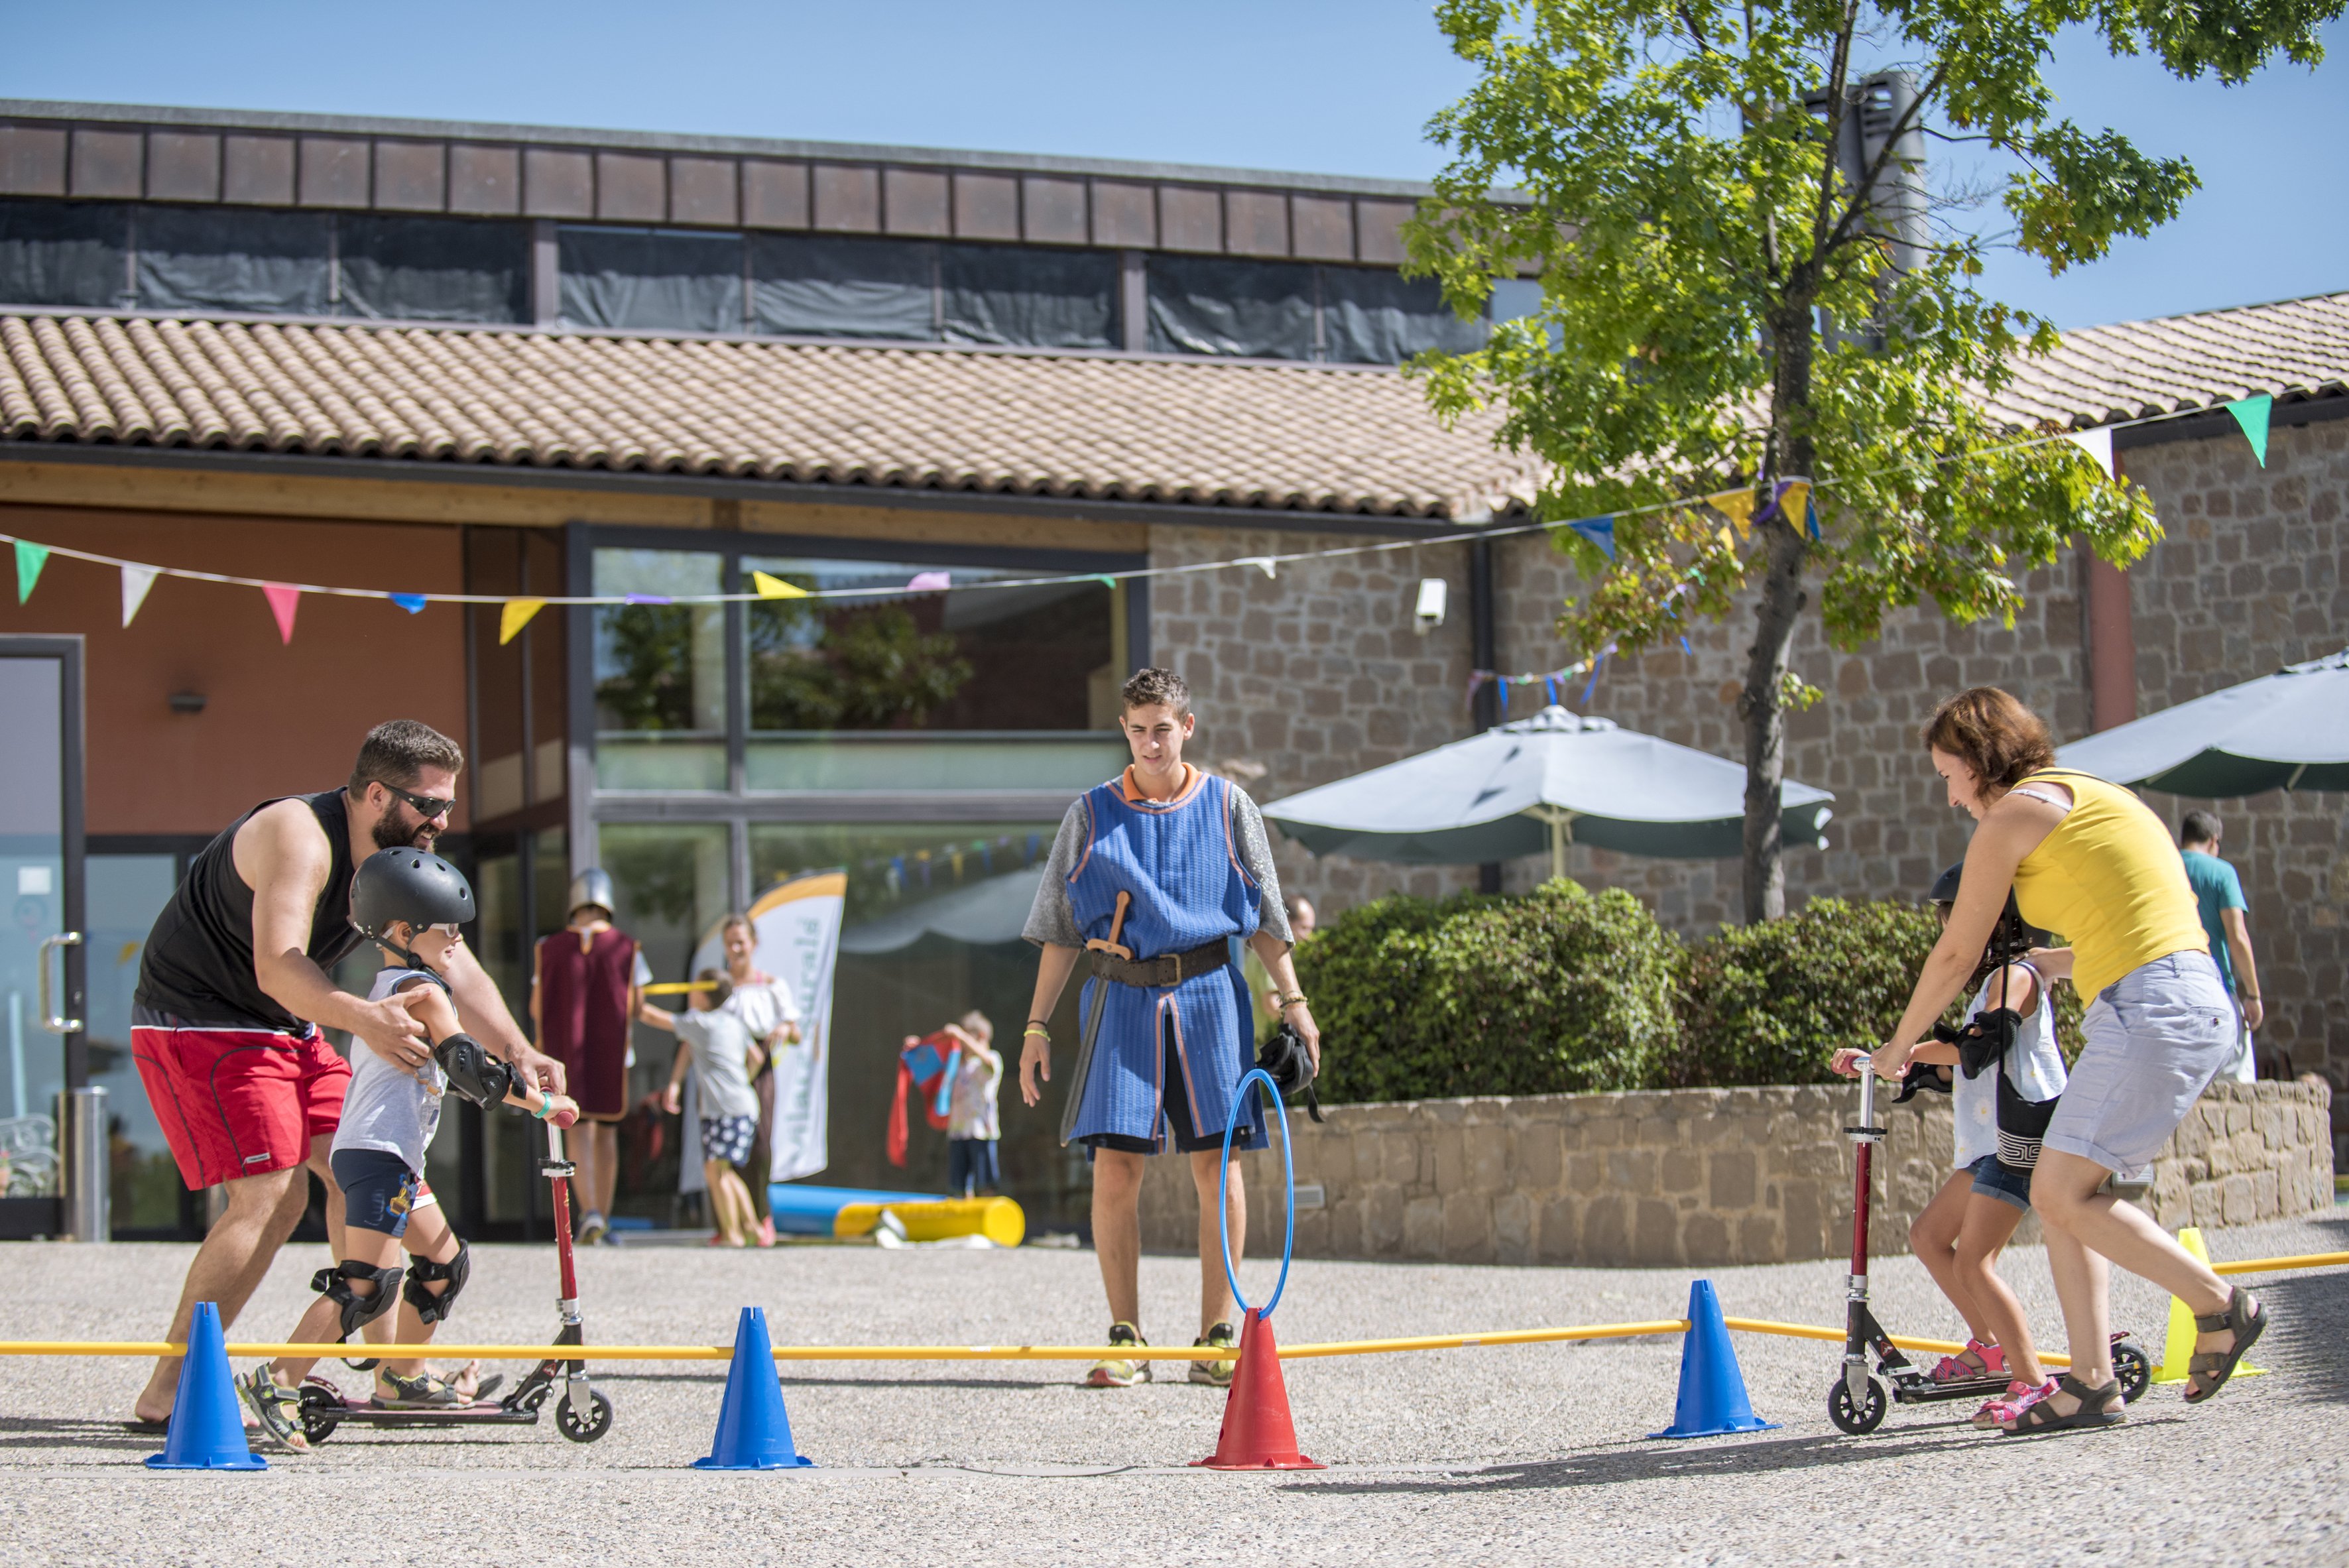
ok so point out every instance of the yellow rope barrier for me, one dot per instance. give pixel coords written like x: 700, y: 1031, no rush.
x: 1061, y: 1351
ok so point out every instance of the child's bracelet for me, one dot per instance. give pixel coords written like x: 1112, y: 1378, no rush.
x: 544, y: 1109
x: 1035, y: 1027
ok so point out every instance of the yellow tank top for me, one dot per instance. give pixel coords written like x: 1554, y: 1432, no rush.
x: 2109, y: 881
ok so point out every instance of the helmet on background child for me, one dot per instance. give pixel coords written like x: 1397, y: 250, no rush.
x: 2010, y: 939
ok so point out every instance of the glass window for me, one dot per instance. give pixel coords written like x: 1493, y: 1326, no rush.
x: 1207, y: 305
x: 434, y: 269
x: 1036, y: 298
x: 31, y: 878
x: 657, y: 280
x: 930, y: 932
x: 808, y: 287
x: 660, y: 672
x: 123, y: 895
x: 1378, y: 318
x: 231, y: 258
x: 63, y: 253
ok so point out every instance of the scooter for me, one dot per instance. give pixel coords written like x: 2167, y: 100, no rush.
x: 1858, y: 1402
x: 582, y: 1415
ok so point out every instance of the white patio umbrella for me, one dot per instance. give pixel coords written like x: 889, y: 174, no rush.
x: 1549, y: 780
x: 2289, y: 730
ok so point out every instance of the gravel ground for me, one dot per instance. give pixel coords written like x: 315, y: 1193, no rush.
x: 1485, y: 1455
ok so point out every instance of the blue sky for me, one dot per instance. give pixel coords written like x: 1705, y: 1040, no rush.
x: 1331, y: 86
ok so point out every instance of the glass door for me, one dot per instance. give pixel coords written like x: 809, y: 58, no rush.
x: 41, y: 967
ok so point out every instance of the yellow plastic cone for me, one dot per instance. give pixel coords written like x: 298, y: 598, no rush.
x: 2178, y: 1350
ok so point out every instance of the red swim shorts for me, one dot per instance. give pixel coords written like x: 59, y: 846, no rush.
x: 239, y: 1103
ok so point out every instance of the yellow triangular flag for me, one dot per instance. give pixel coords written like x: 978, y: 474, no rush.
x: 1728, y: 543
x: 516, y: 617
x: 1793, y: 502
x: 2178, y: 1347
x: 1735, y: 505
x: 772, y: 587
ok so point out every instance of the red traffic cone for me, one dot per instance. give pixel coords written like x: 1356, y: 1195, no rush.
x: 1257, y: 1433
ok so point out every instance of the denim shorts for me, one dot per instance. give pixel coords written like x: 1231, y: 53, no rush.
x: 378, y: 1189
x: 2152, y: 1042
x: 1993, y: 1180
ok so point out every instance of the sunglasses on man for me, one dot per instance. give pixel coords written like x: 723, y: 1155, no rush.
x: 426, y: 806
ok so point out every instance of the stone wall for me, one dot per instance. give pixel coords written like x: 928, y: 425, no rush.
x: 1695, y: 1177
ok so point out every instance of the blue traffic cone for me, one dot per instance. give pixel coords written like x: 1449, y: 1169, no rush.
x: 754, y: 1432
x: 207, y: 1432
x: 1713, y: 1391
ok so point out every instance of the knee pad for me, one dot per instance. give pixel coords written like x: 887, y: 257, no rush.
x: 473, y: 1071
x: 334, y: 1285
x: 421, y: 1272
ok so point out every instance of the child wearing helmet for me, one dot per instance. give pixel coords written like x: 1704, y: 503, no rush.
x: 410, y: 903
x: 2010, y: 1028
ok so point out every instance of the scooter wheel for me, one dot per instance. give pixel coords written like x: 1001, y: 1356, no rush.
x: 321, y: 1412
x: 2131, y: 1370
x: 583, y: 1426
x: 1860, y: 1419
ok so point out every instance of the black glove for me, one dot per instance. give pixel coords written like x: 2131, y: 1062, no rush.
x: 1286, y: 1061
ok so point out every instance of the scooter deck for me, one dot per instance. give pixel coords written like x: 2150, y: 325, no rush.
x: 485, y: 1413
x: 1916, y: 1389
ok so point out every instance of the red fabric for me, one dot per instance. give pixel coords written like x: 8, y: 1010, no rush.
x: 934, y: 1052
x: 897, y: 1131
x: 239, y: 1103
x: 583, y: 1017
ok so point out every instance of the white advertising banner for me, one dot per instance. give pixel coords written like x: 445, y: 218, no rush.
x: 798, y: 927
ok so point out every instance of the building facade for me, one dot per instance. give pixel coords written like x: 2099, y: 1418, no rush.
x: 408, y: 358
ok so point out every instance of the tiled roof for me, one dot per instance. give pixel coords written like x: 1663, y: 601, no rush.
x: 1099, y: 428
x: 2292, y: 349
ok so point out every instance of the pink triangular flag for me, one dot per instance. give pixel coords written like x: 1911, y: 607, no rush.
x: 2098, y: 443
x: 283, y: 597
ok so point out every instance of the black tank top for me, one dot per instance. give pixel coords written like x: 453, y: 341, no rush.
x: 198, y: 964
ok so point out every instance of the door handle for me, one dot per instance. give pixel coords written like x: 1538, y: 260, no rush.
x: 49, y: 1019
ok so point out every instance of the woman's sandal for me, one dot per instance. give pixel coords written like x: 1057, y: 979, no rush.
x: 2249, y: 1319
x: 2102, y: 1407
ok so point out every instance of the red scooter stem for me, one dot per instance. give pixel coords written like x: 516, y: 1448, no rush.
x: 562, y: 1186
x: 1863, y: 1150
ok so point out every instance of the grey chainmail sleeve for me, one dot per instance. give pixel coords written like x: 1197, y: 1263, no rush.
x: 1255, y: 858
x: 1049, y: 918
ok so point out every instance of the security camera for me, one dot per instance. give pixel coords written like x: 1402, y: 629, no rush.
x: 1429, y: 612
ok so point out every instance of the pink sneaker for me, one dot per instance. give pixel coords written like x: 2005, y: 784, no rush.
x: 1957, y: 1369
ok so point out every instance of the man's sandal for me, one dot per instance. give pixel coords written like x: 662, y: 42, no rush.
x: 2249, y: 1319
x: 2102, y: 1407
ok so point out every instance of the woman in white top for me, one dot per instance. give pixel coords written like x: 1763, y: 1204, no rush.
x: 1962, y: 1231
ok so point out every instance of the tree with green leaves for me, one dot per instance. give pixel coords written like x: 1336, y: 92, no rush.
x: 1746, y: 282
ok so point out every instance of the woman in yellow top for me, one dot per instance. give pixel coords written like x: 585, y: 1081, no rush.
x: 2086, y: 859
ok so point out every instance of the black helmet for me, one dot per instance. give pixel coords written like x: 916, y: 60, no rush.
x: 410, y: 886
x: 1945, y: 886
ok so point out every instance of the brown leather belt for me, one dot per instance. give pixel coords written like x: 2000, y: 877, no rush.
x: 1167, y: 969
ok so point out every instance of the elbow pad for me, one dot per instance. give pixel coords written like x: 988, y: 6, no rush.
x: 473, y: 1071
x: 1985, y: 1039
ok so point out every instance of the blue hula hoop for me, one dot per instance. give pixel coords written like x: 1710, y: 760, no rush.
x: 1289, y: 1179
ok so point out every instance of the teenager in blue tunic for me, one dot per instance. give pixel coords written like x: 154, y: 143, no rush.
x: 1171, y: 865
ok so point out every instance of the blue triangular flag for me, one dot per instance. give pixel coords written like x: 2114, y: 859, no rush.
x: 1600, y: 530
x: 1811, y: 518
x: 411, y: 602
x: 2251, y: 413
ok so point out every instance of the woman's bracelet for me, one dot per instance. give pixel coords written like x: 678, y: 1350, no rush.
x: 1291, y: 1000
x: 1036, y: 1027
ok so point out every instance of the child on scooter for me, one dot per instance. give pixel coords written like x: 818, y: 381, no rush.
x: 1962, y: 1231
x: 409, y: 904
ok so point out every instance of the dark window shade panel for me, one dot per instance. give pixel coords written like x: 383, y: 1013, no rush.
x: 1384, y: 319
x: 1032, y: 298
x: 231, y: 258
x: 651, y: 280
x: 435, y: 269
x: 63, y: 253
x: 1259, y: 310
x: 810, y: 287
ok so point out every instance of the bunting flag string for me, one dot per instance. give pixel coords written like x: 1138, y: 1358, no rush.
x: 1789, y: 498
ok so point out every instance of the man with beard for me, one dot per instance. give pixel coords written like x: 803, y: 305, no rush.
x: 235, y: 984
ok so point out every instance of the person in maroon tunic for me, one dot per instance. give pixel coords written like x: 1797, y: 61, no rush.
x: 587, y: 988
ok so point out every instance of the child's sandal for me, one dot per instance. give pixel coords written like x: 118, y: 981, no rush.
x: 2104, y: 1407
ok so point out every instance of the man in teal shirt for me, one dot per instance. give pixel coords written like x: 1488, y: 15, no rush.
x: 2220, y: 893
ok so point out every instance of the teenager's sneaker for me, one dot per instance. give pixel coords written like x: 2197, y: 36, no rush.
x: 276, y: 1407
x: 1116, y: 1372
x: 422, y: 1392
x: 1216, y: 1374
x: 591, y: 1230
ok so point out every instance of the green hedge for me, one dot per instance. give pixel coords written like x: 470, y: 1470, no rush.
x: 1556, y: 992
x: 1564, y: 991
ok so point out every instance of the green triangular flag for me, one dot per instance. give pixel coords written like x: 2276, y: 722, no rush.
x: 2251, y: 413
x: 30, y: 558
